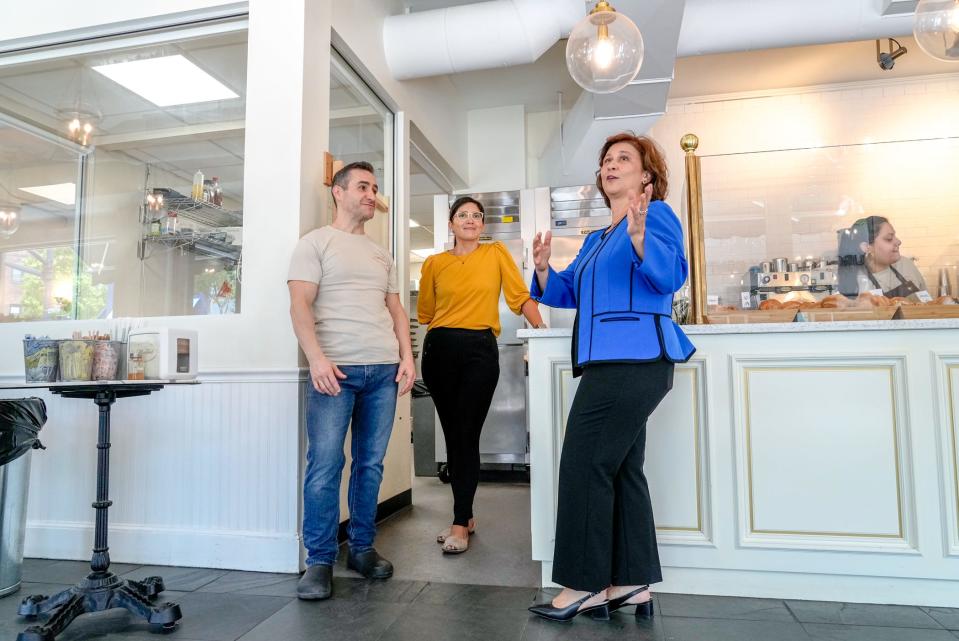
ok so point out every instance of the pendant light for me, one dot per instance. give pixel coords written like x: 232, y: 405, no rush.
x: 605, y: 50
x: 936, y: 28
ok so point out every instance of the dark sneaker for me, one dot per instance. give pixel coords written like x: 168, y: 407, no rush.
x: 316, y: 583
x: 370, y: 564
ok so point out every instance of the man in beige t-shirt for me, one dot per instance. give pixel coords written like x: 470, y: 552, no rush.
x: 351, y: 325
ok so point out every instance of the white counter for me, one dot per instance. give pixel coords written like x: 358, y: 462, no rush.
x: 778, y: 328
x: 793, y: 460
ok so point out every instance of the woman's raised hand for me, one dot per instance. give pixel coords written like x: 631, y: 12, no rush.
x: 636, y: 212
x: 542, y: 248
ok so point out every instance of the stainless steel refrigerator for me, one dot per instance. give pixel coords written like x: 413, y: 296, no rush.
x: 574, y: 212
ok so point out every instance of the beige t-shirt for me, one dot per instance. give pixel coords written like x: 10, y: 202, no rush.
x: 354, y: 274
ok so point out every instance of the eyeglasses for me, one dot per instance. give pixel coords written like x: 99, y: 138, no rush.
x: 463, y: 215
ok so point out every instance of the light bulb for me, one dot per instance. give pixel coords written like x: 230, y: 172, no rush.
x: 603, y: 54
x: 936, y: 28
x: 80, y: 125
x: 604, y: 51
x: 9, y: 222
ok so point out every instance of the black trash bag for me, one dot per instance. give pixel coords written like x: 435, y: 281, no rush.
x: 419, y: 389
x: 20, y: 422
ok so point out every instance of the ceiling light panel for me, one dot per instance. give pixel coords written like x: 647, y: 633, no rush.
x: 65, y: 193
x: 167, y: 81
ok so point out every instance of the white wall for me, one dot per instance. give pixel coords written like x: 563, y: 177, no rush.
x: 497, y: 148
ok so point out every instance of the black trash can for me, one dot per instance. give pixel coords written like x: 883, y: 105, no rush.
x: 424, y: 430
x: 20, y: 423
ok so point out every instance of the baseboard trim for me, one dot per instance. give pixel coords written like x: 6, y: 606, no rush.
x: 384, y: 510
x: 146, y: 545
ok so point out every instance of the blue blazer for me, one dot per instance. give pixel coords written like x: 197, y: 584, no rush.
x: 624, y: 304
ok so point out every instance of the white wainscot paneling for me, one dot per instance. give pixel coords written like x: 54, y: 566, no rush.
x: 203, y: 475
x: 823, y: 449
x: 676, y: 462
x: 676, y: 449
x: 947, y: 368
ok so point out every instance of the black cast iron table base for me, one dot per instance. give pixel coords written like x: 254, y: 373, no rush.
x: 101, y: 589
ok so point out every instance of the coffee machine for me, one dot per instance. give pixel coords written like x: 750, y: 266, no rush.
x: 780, y: 279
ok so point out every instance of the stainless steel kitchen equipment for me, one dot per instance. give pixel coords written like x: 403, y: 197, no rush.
x: 574, y: 213
x: 812, y: 284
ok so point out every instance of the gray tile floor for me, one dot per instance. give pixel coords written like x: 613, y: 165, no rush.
x: 432, y: 597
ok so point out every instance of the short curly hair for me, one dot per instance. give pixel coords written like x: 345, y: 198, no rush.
x: 652, y: 157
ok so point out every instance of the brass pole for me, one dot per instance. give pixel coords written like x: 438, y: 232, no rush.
x: 697, y: 250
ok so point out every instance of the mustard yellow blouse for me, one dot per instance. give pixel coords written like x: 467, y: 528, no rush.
x: 463, y: 291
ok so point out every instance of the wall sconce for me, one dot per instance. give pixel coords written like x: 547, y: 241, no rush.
x: 9, y: 221
x: 605, y: 50
x: 887, y: 60
x: 936, y: 28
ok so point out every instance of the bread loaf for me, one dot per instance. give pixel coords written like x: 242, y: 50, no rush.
x: 770, y: 304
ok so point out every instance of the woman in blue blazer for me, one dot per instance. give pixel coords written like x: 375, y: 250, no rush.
x: 624, y: 344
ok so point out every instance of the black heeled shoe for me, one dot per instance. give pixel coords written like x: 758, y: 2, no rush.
x: 547, y: 610
x: 644, y: 610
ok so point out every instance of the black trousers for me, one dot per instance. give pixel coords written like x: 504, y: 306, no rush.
x: 605, y: 534
x: 461, y: 368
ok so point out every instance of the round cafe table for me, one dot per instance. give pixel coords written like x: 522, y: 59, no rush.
x: 100, y: 589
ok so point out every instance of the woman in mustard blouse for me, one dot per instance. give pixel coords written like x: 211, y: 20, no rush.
x: 459, y: 300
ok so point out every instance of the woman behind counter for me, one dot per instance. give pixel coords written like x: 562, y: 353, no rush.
x: 869, y: 260
x: 624, y: 343
x: 459, y: 299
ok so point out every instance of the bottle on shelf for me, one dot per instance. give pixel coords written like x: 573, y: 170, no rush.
x: 155, y: 227
x: 197, y: 185
x: 217, y: 192
x: 172, y: 224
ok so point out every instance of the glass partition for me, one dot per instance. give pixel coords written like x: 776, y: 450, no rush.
x: 155, y: 226
x: 865, y: 231
x: 361, y: 128
x: 41, y: 274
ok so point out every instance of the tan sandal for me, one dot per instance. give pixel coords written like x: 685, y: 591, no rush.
x: 442, y: 536
x: 455, y: 545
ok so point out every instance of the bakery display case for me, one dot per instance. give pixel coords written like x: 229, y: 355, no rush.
x: 824, y: 232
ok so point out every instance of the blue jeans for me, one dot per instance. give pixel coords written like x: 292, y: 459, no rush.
x: 367, y: 398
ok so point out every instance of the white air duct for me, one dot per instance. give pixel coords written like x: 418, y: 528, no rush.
x: 485, y: 35
x: 724, y: 26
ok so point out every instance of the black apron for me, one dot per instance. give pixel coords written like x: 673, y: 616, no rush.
x: 904, y: 289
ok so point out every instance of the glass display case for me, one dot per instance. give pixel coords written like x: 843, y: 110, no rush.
x: 856, y: 232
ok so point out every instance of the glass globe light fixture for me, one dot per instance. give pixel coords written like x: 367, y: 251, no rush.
x: 9, y: 221
x: 605, y: 50
x: 936, y: 28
